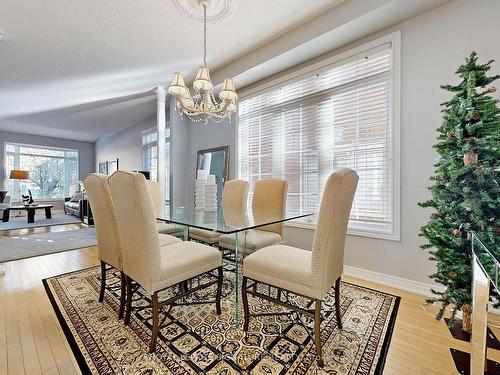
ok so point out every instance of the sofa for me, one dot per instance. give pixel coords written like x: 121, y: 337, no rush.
x: 75, y: 205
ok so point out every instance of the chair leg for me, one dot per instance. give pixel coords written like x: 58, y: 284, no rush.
x: 156, y: 321
x: 103, y: 281
x: 128, y: 309
x: 317, y: 332
x: 219, y: 291
x: 337, y: 303
x: 123, y: 283
x: 246, y: 310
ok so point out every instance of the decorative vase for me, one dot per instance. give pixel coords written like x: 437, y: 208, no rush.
x: 470, y: 158
x: 467, y: 318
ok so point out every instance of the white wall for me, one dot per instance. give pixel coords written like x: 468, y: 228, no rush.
x: 434, y: 44
x: 125, y: 145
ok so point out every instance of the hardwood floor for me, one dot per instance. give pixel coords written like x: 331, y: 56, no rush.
x: 32, y: 342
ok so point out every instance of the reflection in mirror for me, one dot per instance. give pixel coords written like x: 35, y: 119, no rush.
x: 216, y: 162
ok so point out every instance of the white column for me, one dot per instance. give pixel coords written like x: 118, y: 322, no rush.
x: 161, y: 132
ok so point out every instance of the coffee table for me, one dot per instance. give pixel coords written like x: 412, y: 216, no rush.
x: 30, y: 210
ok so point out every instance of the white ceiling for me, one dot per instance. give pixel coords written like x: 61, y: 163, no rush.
x: 59, y: 54
x: 81, y: 69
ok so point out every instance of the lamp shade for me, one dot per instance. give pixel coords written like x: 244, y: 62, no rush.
x: 17, y: 174
x: 178, y: 87
x: 228, y: 92
x: 202, y: 80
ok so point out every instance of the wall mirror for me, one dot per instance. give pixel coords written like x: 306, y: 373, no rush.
x: 216, y: 162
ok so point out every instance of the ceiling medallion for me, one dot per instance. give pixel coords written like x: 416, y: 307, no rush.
x: 201, y: 104
x: 217, y: 10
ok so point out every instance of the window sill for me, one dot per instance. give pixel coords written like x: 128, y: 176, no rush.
x: 350, y: 231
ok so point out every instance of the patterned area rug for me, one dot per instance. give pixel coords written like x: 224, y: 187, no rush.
x: 194, y: 340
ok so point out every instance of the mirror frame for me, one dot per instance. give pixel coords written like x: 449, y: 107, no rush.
x: 225, y: 149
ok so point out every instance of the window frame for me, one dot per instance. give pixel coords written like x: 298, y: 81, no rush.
x: 330, y: 62
x: 43, y: 147
x: 146, y: 146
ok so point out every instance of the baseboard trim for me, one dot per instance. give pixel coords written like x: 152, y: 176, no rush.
x: 407, y: 285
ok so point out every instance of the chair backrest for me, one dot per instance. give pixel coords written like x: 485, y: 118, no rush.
x: 108, y: 240
x: 234, y: 195
x: 328, y: 245
x: 137, y: 226
x: 155, y: 191
x: 269, y: 201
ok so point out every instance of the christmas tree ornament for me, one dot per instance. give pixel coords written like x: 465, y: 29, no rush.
x: 476, y: 116
x: 471, y: 157
x: 457, y: 233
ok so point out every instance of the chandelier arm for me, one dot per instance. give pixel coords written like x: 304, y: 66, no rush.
x: 223, y: 108
x: 182, y: 105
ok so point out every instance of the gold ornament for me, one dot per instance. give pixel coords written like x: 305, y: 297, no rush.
x: 457, y: 233
x: 471, y: 157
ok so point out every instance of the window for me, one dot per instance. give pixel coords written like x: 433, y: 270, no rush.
x: 338, y: 116
x: 150, y: 156
x: 53, y: 172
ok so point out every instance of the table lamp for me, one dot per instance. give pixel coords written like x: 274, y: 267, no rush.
x: 17, y: 174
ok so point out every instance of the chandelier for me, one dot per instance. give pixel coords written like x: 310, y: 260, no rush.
x: 202, y: 105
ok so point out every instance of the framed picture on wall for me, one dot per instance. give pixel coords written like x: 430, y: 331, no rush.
x: 103, y: 167
x: 112, y: 166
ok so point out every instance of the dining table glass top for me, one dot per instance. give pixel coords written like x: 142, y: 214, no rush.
x: 227, y: 221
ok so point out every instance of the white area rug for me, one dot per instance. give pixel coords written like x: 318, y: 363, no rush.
x: 19, y: 247
x: 40, y: 221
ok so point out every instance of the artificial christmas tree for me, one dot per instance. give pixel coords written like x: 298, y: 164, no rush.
x: 465, y: 190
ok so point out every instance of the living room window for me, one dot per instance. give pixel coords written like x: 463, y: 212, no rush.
x: 53, y: 172
x: 150, y: 156
x: 342, y: 114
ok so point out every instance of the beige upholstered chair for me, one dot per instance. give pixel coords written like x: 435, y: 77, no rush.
x: 307, y: 273
x: 269, y: 202
x: 234, y: 198
x: 164, y: 228
x: 142, y: 259
x: 108, y: 240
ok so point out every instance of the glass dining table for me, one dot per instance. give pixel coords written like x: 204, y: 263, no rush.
x: 235, y: 223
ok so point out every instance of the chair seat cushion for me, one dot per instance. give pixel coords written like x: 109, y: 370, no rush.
x: 183, y: 260
x: 285, y: 267
x: 253, y: 240
x: 166, y: 228
x: 203, y: 235
x: 167, y: 239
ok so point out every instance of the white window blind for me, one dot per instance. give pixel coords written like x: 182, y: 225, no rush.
x: 338, y: 117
